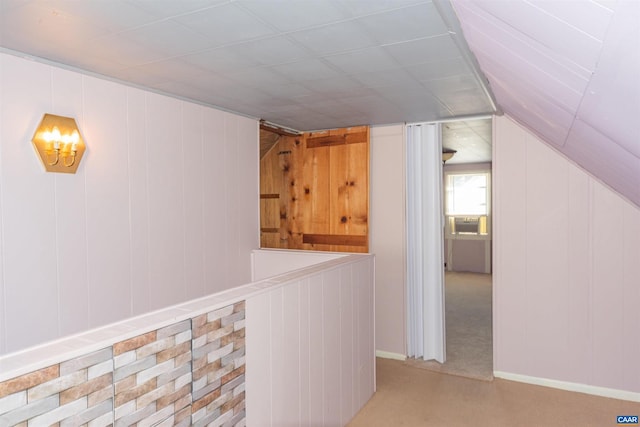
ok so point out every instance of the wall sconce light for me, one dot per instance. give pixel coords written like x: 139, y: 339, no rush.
x: 447, y: 154
x: 59, y: 144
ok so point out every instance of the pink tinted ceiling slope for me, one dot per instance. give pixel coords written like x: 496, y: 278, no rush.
x: 569, y: 71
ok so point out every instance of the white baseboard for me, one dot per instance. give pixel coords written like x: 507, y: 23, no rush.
x: 577, y: 387
x: 388, y: 355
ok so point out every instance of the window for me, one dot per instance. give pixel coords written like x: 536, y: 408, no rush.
x: 467, y: 204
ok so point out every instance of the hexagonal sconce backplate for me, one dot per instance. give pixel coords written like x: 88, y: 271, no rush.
x: 59, y: 144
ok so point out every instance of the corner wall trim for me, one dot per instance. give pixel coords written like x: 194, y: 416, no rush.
x: 569, y: 386
x: 388, y: 355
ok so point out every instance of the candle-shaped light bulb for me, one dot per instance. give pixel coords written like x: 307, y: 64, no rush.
x: 75, y: 138
x: 55, y: 134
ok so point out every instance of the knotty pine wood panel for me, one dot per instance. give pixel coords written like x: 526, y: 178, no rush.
x: 349, y: 176
x: 292, y: 185
x: 322, y: 179
x: 317, y: 193
x: 270, y: 188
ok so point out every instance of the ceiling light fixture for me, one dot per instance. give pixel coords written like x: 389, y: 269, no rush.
x: 447, y: 154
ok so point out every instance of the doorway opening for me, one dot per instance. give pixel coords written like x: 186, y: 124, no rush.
x: 467, y: 244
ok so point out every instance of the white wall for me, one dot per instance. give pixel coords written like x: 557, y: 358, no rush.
x: 164, y: 206
x: 310, y: 350
x: 387, y: 236
x: 567, y: 269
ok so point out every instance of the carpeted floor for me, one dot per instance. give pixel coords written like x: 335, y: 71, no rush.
x: 468, y: 326
x: 412, y: 397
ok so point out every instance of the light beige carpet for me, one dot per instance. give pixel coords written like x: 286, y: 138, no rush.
x: 411, y: 397
x: 468, y: 326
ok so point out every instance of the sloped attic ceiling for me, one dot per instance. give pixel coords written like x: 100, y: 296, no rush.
x: 569, y: 71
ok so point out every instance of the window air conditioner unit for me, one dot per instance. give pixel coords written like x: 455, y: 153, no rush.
x: 467, y: 225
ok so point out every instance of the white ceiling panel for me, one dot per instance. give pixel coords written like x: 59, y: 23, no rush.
x: 220, y: 60
x: 301, y: 71
x: 438, y: 69
x: 119, y: 48
x: 423, y: 50
x: 542, y: 74
x: 357, y: 8
x: 289, y: 90
x: 406, y: 24
x: 259, y: 77
x: 611, y: 103
x: 340, y: 37
x: 487, y: 33
x: 555, y: 34
x: 447, y: 87
x: 52, y: 30
x: 593, y: 18
x: 168, y: 37
x: 170, y: 8
x: 288, y: 15
x: 334, y: 87
x: 113, y: 15
x: 362, y: 61
x: 388, y: 77
x: 225, y: 24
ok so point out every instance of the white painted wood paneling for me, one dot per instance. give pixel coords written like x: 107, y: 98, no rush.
x: 510, y: 260
x: 546, y: 215
x: 166, y: 202
x: 193, y: 209
x: 28, y: 216
x: 248, y: 188
x: 70, y: 212
x: 566, y: 288
x: 231, y: 190
x: 107, y: 182
x: 608, y: 303
x: 140, y: 226
x: 388, y: 235
x: 348, y: 365
x: 331, y: 326
x: 139, y: 200
x: 291, y: 361
x: 258, y: 345
x: 631, y: 296
x: 315, y: 339
x: 215, y: 211
x: 305, y: 352
x: 3, y: 341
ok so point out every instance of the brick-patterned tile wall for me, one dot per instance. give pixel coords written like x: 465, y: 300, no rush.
x: 188, y: 373
x: 153, y: 377
x: 218, y: 367
x: 73, y: 393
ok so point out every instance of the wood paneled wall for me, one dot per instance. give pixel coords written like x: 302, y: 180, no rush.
x: 310, y: 347
x: 314, y: 191
x: 567, y: 276
x: 162, y: 209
